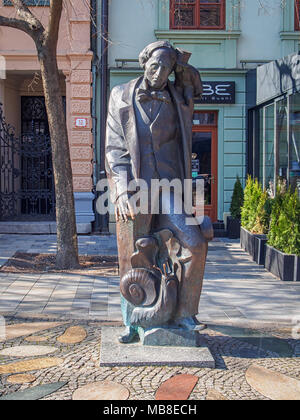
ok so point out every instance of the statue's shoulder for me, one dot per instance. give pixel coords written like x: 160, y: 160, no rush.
x: 119, y: 91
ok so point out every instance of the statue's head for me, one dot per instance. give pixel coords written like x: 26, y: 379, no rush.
x: 158, y: 60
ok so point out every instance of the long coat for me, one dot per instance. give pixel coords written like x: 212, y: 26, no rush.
x: 122, y: 150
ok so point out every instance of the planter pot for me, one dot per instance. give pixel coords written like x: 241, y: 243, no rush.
x: 284, y: 266
x: 233, y: 228
x: 297, y: 269
x: 254, y: 244
x: 247, y: 241
x: 260, y: 249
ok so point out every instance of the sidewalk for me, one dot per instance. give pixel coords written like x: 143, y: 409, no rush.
x: 235, y: 288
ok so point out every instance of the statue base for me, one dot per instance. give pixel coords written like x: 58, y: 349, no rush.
x: 112, y: 353
x: 176, y: 337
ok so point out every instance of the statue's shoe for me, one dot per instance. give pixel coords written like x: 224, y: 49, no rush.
x: 129, y: 336
x: 190, y: 324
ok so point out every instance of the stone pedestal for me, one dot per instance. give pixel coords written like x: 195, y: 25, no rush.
x: 175, y: 337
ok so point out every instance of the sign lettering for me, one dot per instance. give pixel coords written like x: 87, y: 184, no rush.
x: 217, y: 92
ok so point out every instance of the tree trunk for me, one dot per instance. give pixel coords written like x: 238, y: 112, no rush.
x: 67, y: 246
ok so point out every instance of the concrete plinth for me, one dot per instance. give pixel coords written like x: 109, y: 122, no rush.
x: 175, y: 337
x: 112, y: 353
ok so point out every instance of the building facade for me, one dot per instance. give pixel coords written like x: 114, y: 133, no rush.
x: 227, y: 38
x: 27, y: 190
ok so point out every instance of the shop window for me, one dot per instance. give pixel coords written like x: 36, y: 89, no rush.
x: 282, y: 139
x: 266, y: 146
x: 294, y: 146
x: 276, y: 152
x: 297, y: 15
x: 205, y: 118
x: 197, y: 14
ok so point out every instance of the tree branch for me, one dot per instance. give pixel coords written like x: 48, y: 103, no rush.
x: 15, y: 23
x: 25, y: 14
x: 51, y: 33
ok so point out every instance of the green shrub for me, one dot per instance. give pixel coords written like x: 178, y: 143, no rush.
x: 263, y: 214
x: 237, y: 199
x: 252, y: 195
x: 256, y: 210
x: 284, y: 233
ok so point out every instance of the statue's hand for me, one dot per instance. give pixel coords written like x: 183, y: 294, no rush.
x: 125, y: 208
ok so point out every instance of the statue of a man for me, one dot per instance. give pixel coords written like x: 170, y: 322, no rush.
x: 149, y: 136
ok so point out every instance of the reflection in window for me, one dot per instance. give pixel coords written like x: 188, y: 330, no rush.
x: 294, y: 149
x: 282, y: 139
x: 269, y: 146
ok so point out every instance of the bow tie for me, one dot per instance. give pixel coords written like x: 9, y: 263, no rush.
x: 147, y: 95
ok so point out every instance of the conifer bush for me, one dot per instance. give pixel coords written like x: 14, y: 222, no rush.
x: 256, y: 210
x: 284, y: 233
x: 237, y: 199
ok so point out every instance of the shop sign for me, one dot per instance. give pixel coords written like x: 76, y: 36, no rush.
x: 217, y: 93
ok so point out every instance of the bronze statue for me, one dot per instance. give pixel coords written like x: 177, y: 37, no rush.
x: 149, y: 137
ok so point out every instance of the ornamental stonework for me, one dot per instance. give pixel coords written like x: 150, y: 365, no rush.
x: 81, y: 137
x: 82, y: 183
x: 81, y: 76
x: 82, y: 168
x: 81, y: 91
x: 81, y: 153
x: 81, y: 107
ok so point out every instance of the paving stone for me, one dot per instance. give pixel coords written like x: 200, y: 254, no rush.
x: 35, y: 393
x: 258, y: 339
x: 21, y: 379
x: 73, y: 335
x: 273, y: 385
x: 214, y: 395
x: 19, y: 330
x: 36, y: 339
x: 97, y: 391
x: 29, y: 365
x: 27, y: 351
x: 177, y: 388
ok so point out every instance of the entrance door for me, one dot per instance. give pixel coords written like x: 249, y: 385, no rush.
x: 37, y: 183
x: 205, y: 158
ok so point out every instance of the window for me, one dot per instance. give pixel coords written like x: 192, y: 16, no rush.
x: 276, y: 149
x: 197, y: 14
x: 297, y: 15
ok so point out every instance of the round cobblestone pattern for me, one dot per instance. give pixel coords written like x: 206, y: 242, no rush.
x: 81, y: 366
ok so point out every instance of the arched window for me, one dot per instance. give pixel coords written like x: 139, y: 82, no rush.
x: 197, y: 14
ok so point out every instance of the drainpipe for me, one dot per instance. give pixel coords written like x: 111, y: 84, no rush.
x: 103, y: 96
x: 94, y: 108
x: 99, y: 68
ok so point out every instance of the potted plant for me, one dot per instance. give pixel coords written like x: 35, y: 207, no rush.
x: 248, y: 214
x: 283, y: 247
x: 261, y: 228
x: 234, y: 221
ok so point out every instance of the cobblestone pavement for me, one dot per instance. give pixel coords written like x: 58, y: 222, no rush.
x: 233, y: 357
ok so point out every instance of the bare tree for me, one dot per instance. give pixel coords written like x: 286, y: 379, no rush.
x: 46, y: 39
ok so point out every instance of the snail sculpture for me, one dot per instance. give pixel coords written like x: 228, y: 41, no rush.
x: 151, y: 286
